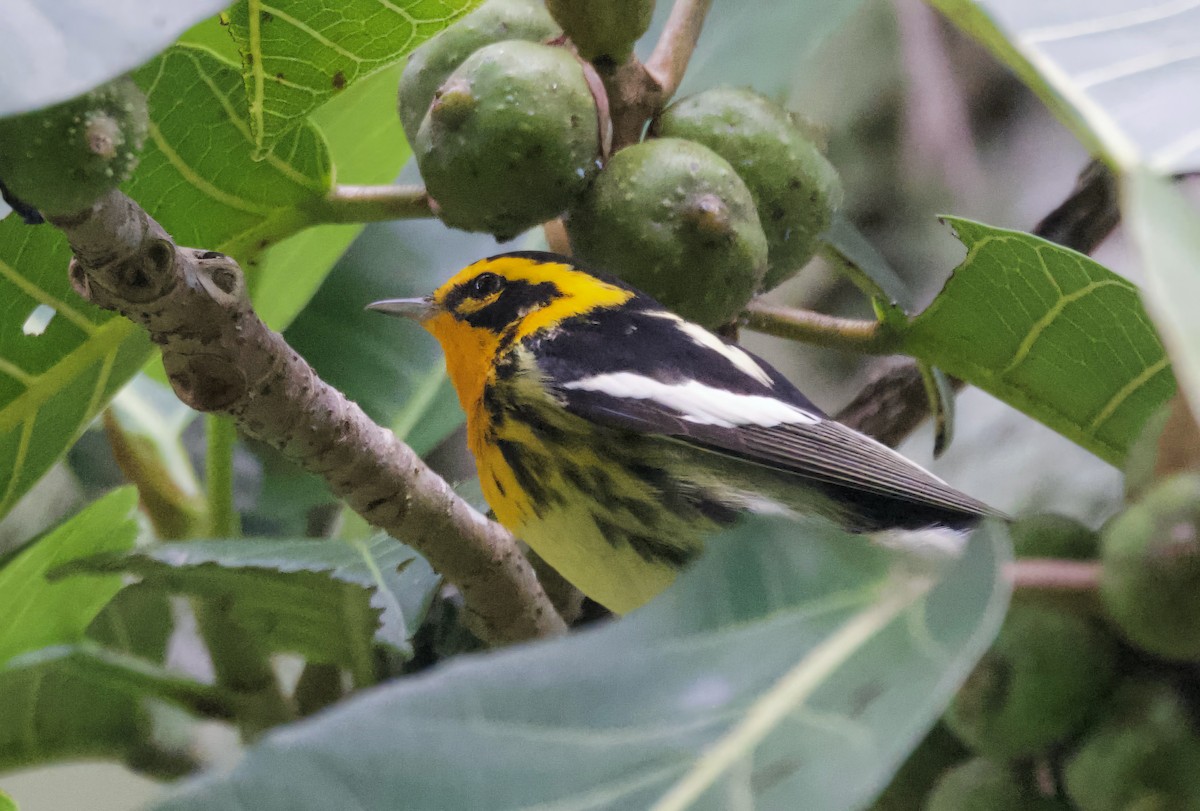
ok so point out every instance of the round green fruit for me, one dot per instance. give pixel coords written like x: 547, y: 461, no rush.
x: 1050, y: 535
x: 429, y: 65
x: 510, y: 140
x: 796, y: 190
x: 978, y: 785
x: 937, y: 752
x: 1151, y: 577
x: 603, y: 31
x: 1036, y: 685
x: 62, y: 159
x: 672, y: 218
x: 1142, y: 753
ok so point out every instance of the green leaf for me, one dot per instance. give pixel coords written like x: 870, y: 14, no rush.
x: 1050, y: 332
x: 200, y: 182
x: 364, y: 137
x: 38, y: 613
x: 874, y: 275
x: 52, y: 382
x: 1113, y: 73
x: 50, y: 52
x: 321, y: 598
x: 297, y: 54
x: 6, y: 802
x: 793, y: 667
x: 1167, y: 229
x: 76, y: 701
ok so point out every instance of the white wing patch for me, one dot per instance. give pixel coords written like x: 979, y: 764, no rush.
x: 698, y: 403
x: 699, y: 335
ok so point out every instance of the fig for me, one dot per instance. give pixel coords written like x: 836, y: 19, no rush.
x: 979, y: 785
x: 1037, y: 684
x: 1150, y: 583
x: 61, y: 159
x: 510, y: 140
x: 672, y: 218
x: 1142, y: 753
x: 1050, y: 535
x: 795, y: 189
x: 430, y: 64
x: 603, y: 31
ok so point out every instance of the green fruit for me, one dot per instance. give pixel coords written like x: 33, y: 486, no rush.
x: 1142, y: 751
x: 977, y: 785
x: 62, y: 159
x: 510, y: 140
x: 429, y: 65
x: 1151, y: 578
x: 672, y: 218
x: 1036, y: 685
x: 795, y: 189
x: 603, y: 31
x: 1049, y: 535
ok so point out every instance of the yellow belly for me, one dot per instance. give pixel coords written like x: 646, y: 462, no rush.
x: 563, y: 528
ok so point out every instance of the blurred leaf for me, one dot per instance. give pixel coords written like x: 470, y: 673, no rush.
x: 320, y: 598
x: 137, y: 621
x: 297, y: 54
x: 38, y: 613
x: 793, y: 667
x: 1167, y: 229
x: 6, y: 802
x: 1050, y: 332
x: 83, y: 701
x: 50, y: 52
x: 782, y: 35
x: 1114, y: 72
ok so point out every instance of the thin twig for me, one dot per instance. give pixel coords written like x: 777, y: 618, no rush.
x: 1054, y: 575
x: 358, y: 204
x: 869, y: 337
x: 673, y: 50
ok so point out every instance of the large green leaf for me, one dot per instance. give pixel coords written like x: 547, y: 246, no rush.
x: 298, y: 53
x: 1166, y: 226
x: 322, y: 598
x: 367, y: 145
x: 50, y: 52
x: 38, y: 613
x: 792, y: 668
x: 197, y: 177
x: 54, y: 381
x: 1050, y: 332
x: 1121, y: 73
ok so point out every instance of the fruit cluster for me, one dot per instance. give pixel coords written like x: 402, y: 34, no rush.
x: 724, y: 197
x: 1087, y: 702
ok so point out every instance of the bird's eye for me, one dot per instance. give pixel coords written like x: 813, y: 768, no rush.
x: 485, y: 284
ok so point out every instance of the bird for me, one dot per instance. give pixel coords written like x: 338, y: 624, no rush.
x: 613, y: 436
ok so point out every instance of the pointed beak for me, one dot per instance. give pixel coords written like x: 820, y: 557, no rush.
x: 418, y: 309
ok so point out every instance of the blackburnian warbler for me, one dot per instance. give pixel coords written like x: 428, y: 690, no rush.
x: 611, y: 435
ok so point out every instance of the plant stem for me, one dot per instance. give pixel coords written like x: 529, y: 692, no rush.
x: 349, y: 204
x: 669, y: 60
x: 218, y: 470
x: 1054, y: 575
x: 869, y: 337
